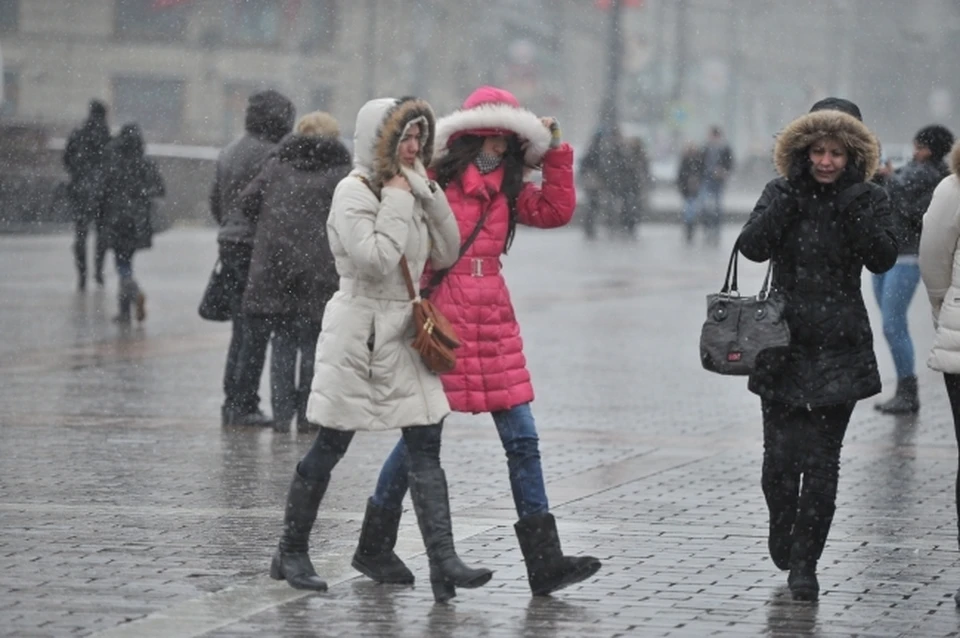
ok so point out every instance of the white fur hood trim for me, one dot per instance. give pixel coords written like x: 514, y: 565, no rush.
x: 524, y: 123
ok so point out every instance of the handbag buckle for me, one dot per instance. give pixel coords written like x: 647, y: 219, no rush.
x: 476, y: 267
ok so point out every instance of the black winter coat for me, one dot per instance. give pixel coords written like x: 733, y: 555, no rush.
x: 132, y: 182
x: 292, y: 271
x: 820, y: 238
x: 85, y: 157
x: 910, y: 189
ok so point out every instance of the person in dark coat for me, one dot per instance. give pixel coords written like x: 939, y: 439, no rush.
x: 292, y: 272
x: 269, y: 118
x: 910, y: 189
x: 717, y: 158
x: 84, y: 159
x: 689, y: 176
x: 132, y: 181
x: 820, y: 223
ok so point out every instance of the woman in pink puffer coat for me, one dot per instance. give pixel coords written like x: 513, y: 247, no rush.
x: 484, y: 150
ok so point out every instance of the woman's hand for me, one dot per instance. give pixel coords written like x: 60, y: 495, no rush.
x: 398, y: 181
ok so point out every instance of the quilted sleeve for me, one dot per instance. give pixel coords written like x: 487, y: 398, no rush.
x: 373, y: 233
x: 551, y: 205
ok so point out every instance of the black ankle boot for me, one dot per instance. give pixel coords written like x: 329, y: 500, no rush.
x: 428, y: 490
x: 803, y: 580
x: 905, y: 401
x: 375, y: 557
x: 291, y: 562
x: 548, y: 570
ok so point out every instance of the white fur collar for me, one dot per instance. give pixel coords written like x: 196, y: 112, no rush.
x: 521, y: 121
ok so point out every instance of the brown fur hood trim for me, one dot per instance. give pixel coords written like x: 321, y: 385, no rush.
x: 954, y: 159
x: 861, y: 144
x: 381, y: 124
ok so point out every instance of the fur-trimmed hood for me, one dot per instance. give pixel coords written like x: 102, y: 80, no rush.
x: 789, y: 152
x: 380, y: 126
x: 497, y: 117
x: 954, y: 159
x: 312, y: 153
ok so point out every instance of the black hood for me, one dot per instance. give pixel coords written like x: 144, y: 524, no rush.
x: 270, y: 115
x: 312, y: 153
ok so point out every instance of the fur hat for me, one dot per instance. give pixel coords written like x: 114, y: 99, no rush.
x: 318, y: 124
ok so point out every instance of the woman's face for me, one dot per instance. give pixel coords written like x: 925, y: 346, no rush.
x: 495, y: 145
x: 409, y: 147
x: 828, y: 158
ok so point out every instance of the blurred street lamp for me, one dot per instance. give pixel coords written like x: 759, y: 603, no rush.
x: 608, y: 108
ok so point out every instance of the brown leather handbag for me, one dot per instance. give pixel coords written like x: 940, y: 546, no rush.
x: 436, y: 339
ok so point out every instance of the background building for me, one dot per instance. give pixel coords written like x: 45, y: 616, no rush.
x: 184, y: 68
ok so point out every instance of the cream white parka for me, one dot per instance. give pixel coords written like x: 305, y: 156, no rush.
x: 367, y: 376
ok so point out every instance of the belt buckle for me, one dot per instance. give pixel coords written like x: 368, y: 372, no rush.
x: 476, y: 267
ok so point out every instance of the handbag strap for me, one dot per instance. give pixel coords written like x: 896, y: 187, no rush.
x: 438, y: 275
x: 730, y: 282
x: 408, y: 278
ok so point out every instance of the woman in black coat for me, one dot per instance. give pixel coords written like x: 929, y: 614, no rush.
x: 292, y: 271
x: 821, y: 222
x: 132, y: 181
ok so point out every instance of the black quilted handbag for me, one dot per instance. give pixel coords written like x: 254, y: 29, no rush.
x: 738, y: 328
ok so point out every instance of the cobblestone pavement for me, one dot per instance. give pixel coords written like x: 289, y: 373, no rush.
x: 127, y: 510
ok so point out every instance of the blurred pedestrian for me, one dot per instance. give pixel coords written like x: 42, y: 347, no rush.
x: 367, y: 375
x: 940, y: 268
x: 689, y: 175
x: 820, y: 223
x: 85, y: 158
x: 910, y: 189
x: 483, y: 150
x: 717, y: 161
x: 269, y: 117
x: 132, y: 182
x: 636, y: 185
x: 292, y: 273
x: 606, y: 173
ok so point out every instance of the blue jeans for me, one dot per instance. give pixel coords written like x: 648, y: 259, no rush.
x: 124, y: 263
x: 709, y: 201
x: 518, y: 433
x: 894, y: 290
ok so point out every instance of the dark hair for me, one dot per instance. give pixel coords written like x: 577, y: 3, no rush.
x: 938, y: 139
x: 461, y: 153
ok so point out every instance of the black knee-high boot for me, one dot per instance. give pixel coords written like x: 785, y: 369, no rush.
x: 291, y: 562
x: 428, y: 490
x: 375, y: 557
x: 547, y: 568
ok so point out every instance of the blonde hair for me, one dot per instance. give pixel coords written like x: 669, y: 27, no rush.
x: 318, y: 124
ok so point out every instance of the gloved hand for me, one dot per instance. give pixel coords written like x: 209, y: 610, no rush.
x: 553, y: 126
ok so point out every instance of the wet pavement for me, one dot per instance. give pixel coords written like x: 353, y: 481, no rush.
x: 127, y: 510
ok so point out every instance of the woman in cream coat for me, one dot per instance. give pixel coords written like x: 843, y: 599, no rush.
x: 940, y: 270
x: 367, y: 375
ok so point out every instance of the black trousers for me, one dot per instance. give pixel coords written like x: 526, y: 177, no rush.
x: 952, y: 382
x: 801, y: 468
x: 235, y: 259
x: 292, y: 336
x: 423, y: 447
x: 81, y: 230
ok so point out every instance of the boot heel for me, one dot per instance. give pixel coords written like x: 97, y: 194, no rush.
x: 442, y: 590
x: 276, y: 572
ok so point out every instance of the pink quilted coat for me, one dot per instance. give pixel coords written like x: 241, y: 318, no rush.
x: 491, y: 372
